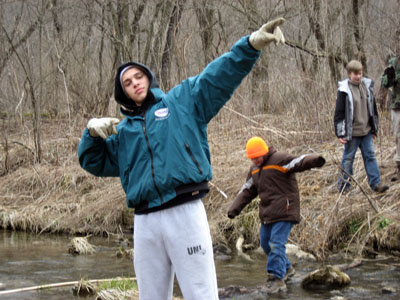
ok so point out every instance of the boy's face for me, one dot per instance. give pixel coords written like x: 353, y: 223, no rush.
x: 355, y: 77
x: 258, y: 161
x: 136, y: 85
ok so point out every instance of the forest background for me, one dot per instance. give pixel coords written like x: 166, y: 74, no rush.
x: 57, y: 66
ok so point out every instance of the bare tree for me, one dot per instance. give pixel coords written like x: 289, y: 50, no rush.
x: 17, y: 40
x: 83, y: 42
x: 173, y: 27
x: 205, y: 17
x: 33, y: 85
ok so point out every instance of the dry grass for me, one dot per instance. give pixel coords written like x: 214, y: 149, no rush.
x: 117, y: 294
x: 58, y: 196
x: 330, y: 221
x: 109, y: 289
x: 80, y: 245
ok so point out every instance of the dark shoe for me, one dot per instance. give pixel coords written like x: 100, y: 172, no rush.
x: 380, y: 188
x: 274, y: 285
x: 289, y: 273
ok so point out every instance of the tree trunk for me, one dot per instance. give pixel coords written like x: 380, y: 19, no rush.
x: 173, y: 27
x: 356, y: 26
x: 205, y: 16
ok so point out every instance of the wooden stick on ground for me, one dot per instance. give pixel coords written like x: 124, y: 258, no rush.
x: 359, y: 185
x: 60, y: 284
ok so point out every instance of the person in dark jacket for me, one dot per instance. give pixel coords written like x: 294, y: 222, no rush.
x: 356, y: 123
x: 272, y: 177
x: 391, y: 79
x: 161, y: 154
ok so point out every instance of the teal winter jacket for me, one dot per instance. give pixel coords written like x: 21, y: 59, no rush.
x: 163, y: 151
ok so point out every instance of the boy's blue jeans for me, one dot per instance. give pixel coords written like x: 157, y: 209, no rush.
x: 273, y: 239
x: 368, y: 155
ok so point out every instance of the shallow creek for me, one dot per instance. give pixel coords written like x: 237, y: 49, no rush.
x: 29, y: 260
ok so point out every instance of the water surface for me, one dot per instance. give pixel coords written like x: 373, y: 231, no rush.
x: 29, y: 260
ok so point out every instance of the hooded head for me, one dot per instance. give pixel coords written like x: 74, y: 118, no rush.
x: 120, y: 94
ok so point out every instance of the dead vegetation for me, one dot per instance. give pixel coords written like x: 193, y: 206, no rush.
x: 109, y: 289
x: 330, y: 221
x: 80, y: 245
x: 58, y: 196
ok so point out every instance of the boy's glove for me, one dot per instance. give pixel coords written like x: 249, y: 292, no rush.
x: 269, y: 32
x: 103, y: 127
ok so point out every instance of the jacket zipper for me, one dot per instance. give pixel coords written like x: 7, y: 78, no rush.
x: 189, y: 151
x: 151, y: 158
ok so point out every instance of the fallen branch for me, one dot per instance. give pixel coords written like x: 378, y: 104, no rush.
x: 60, y: 284
x: 353, y: 264
x: 239, y: 248
x: 359, y: 185
x: 362, y: 190
x: 219, y: 190
x: 24, y: 146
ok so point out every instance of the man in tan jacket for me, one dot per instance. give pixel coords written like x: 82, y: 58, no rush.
x: 272, y: 178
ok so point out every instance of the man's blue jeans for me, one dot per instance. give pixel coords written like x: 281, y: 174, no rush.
x: 368, y: 155
x: 273, y: 239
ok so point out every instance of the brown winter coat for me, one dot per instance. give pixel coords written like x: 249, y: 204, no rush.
x: 275, y: 183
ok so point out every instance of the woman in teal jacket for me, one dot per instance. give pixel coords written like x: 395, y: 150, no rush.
x: 161, y: 154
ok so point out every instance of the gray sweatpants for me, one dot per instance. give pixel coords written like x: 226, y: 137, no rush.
x: 177, y: 241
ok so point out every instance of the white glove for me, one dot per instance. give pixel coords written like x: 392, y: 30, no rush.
x: 269, y: 32
x: 103, y: 127
x: 279, y: 36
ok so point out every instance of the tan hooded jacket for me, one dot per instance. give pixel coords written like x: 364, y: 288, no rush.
x: 275, y: 183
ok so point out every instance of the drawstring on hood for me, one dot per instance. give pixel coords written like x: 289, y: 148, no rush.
x: 128, y: 105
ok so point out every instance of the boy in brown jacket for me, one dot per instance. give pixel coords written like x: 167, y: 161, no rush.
x: 272, y: 178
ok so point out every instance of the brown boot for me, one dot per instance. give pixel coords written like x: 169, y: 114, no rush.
x: 274, y: 285
x: 396, y: 175
x: 380, y: 188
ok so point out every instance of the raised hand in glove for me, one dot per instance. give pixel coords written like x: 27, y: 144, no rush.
x: 269, y: 32
x: 103, y: 127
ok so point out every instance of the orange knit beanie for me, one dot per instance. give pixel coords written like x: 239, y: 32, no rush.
x: 256, y: 147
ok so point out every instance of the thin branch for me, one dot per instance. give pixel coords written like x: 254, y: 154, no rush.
x: 24, y: 146
x: 60, y: 69
x: 337, y: 57
x: 361, y: 188
x: 60, y: 284
x: 257, y: 123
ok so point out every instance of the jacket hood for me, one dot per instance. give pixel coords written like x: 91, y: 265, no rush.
x: 271, y: 150
x: 119, y: 93
x: 343, y: 86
